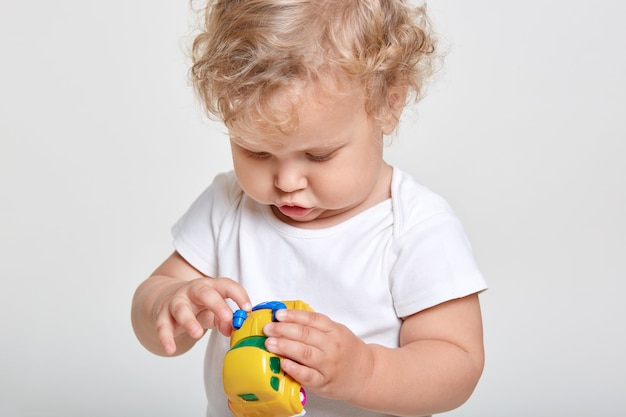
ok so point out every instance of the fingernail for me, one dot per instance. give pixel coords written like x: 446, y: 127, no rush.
x: 270, y: 343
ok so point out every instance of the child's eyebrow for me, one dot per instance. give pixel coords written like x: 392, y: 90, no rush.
x: 331, y: 147
x: 267, y: 144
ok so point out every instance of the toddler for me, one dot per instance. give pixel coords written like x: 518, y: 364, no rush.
x: 311, y: 211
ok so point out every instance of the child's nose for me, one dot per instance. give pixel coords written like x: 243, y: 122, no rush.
x: 289, y: 178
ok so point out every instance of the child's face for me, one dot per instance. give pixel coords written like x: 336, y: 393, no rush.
x: 329, y: 169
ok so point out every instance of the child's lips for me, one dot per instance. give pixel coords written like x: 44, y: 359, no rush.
x: 294, y: 212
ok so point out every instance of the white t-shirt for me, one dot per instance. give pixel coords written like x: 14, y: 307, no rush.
x: 401, y: 256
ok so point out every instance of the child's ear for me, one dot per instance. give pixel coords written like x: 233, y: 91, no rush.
x: 396, y: 100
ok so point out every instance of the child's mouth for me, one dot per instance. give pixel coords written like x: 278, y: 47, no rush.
x: 294, y: 212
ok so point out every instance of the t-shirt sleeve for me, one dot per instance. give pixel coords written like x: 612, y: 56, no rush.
x: 195, y: 234
x: 434, y: 263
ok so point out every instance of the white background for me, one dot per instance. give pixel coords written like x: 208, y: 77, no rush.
x: 102, y: 147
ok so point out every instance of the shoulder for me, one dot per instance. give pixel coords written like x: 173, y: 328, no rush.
x: 414, y: 203
x: 224, y: 191
x: 196, y: 232
x: 431, y: 254
x: 226, y: 185
x: 213, y: 204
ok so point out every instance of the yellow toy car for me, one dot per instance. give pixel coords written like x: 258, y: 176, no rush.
x: 253, y: 380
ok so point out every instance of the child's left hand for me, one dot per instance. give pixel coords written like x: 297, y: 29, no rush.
x: 324, y: 356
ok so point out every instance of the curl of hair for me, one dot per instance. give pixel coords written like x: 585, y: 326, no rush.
x: 250, y: 50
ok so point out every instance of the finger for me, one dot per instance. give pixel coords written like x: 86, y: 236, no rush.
x: 301, y: 326
x: 292, y: 331
x: 303, y: 374
x: 206, y: 319
x: 211, y: 293
x: 303, y: 353
x: 236, y: 292
x: 182, y: 313
x: 165, y: 333
x: 305, y: 318
x: 206, y: 295
x: 225, y: 328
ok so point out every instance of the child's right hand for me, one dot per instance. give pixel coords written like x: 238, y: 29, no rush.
x: 173, y: 308
x: 194, y: 306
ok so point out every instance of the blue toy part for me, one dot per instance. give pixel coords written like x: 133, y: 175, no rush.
x: 270, y: 305
x: 239, y: 317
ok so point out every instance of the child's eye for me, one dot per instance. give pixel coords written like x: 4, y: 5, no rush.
x: 319, y: 158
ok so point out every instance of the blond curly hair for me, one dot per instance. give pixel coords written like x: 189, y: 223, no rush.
x: 249, y: 51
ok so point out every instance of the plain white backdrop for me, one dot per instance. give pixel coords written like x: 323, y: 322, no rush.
x: 102, y: 148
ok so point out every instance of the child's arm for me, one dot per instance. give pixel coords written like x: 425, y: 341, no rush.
x: 172, y: 309
x: 435, y: 369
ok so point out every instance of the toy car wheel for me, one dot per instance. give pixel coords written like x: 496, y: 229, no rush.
x: 302, y: 396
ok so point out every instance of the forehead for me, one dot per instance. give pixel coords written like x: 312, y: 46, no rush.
x: 313, y: 110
